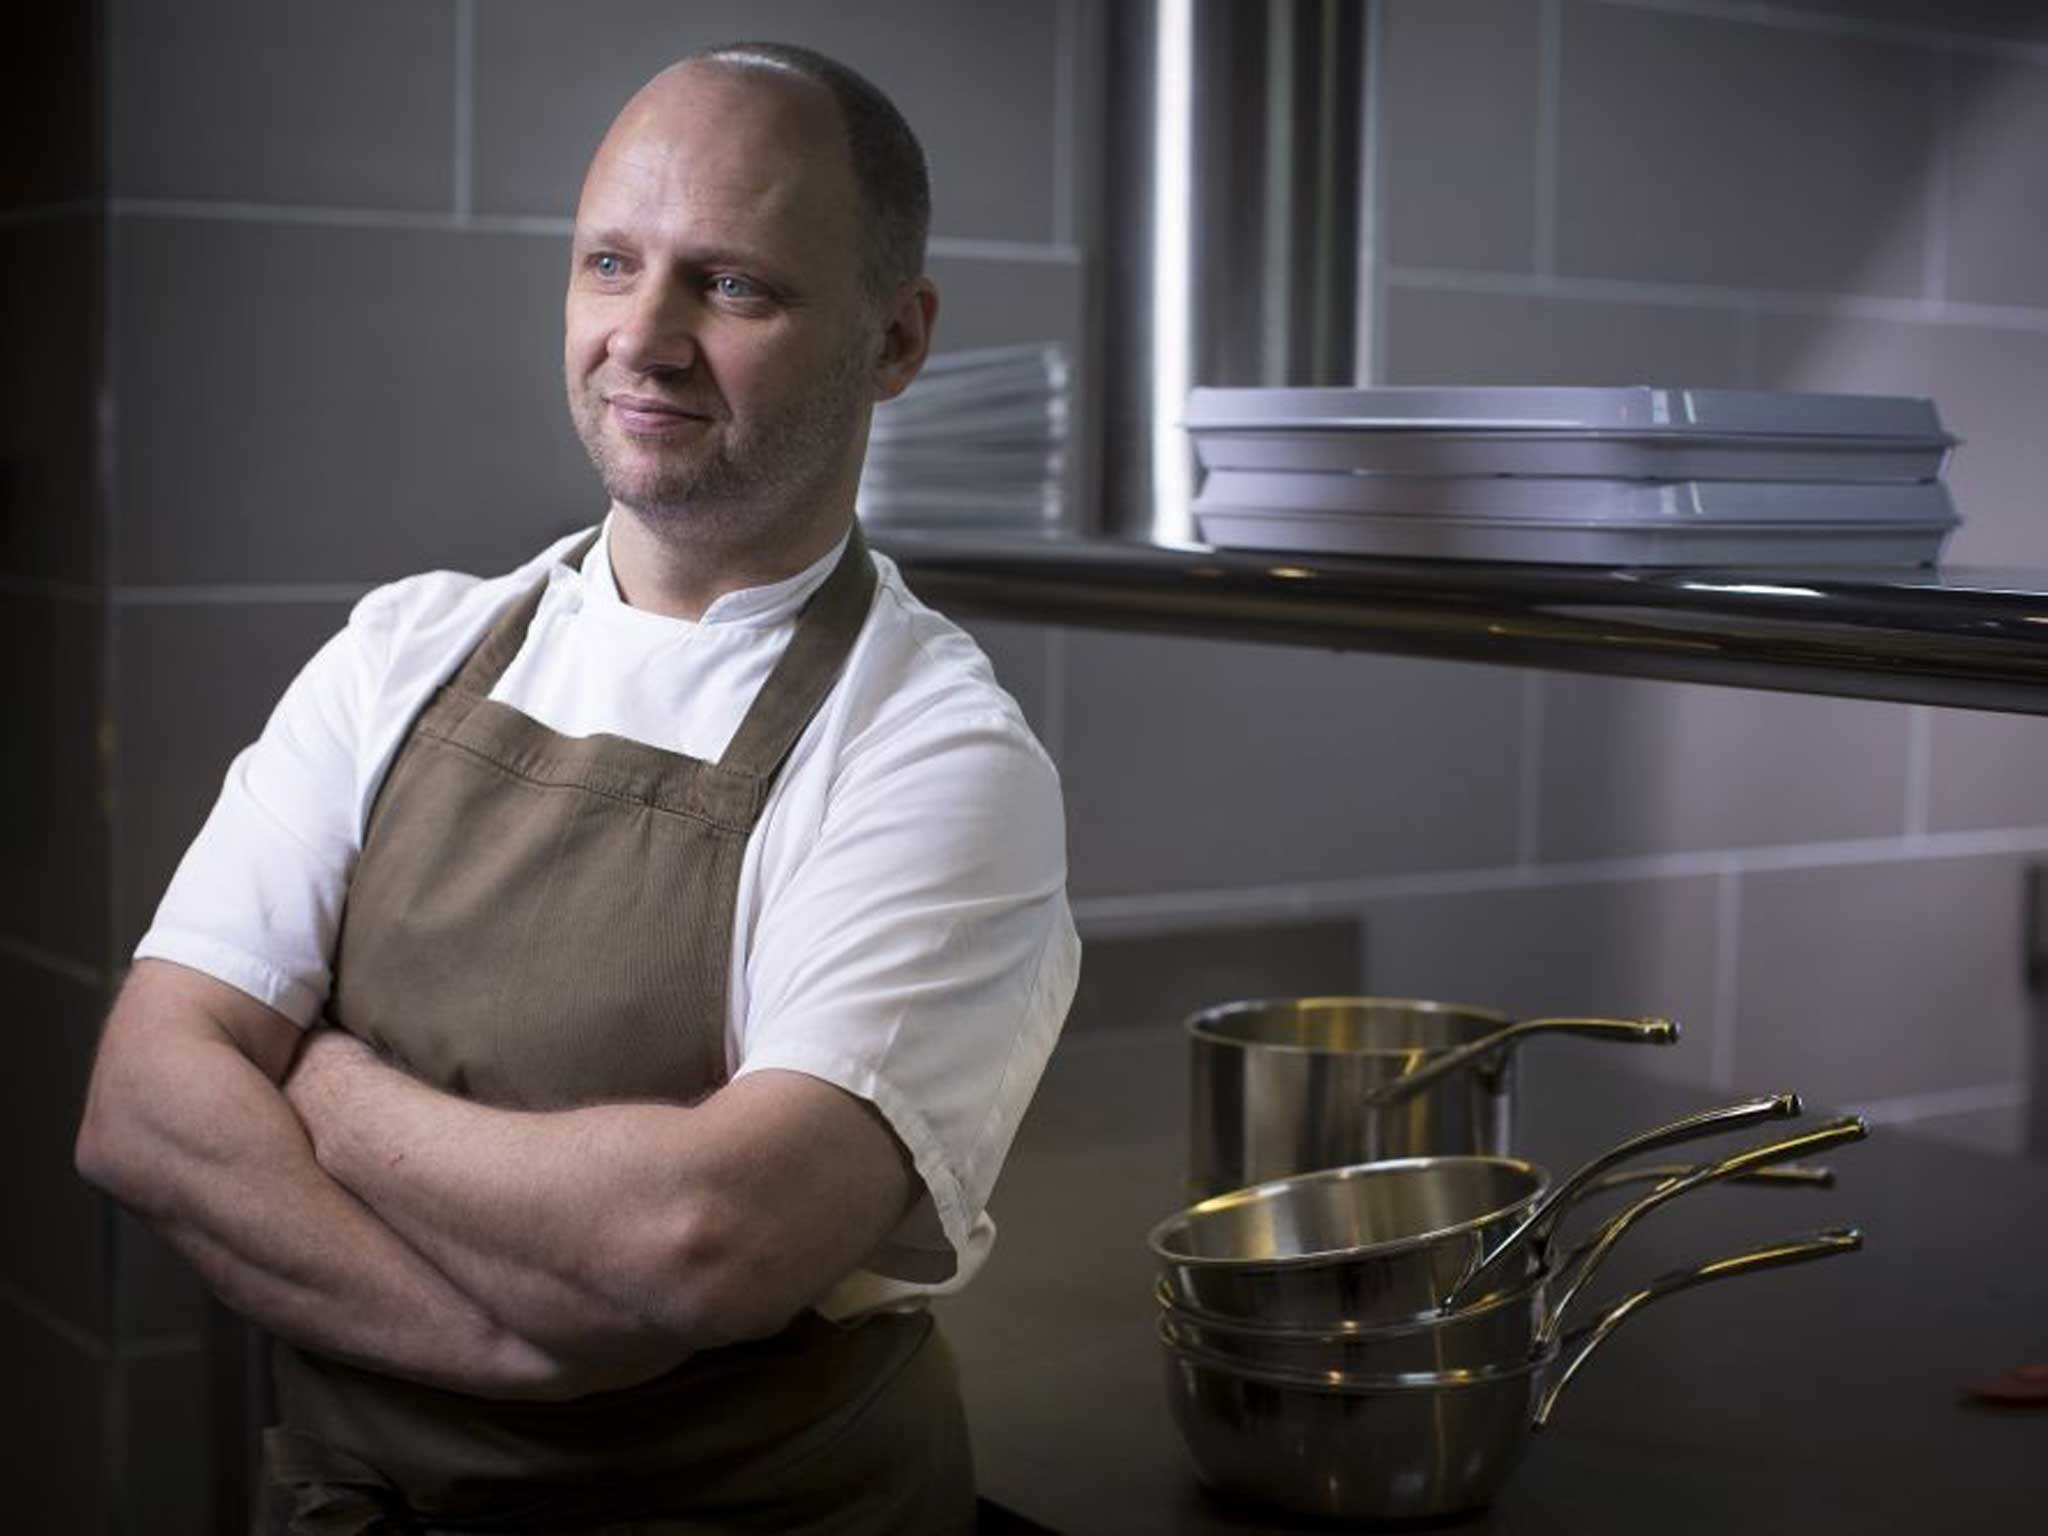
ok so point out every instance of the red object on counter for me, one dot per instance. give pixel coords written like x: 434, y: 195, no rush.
x: 2024, y: 1386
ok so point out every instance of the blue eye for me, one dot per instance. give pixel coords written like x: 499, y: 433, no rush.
x: 605, y: 264
x: 729, y: 285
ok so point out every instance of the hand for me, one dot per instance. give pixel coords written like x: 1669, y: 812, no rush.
x: 318, y: 1085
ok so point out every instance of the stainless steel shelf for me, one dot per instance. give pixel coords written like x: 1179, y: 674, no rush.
x: 1967, y: 638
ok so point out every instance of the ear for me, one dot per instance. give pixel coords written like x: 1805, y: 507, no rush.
x: 906, y: 337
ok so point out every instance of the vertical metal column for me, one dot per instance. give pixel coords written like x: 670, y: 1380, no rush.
x: 1233, y: 190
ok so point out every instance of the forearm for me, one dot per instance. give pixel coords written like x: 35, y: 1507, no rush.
x: 618, y: 1231
x: 185, y: 1129
x: 550, y: 1215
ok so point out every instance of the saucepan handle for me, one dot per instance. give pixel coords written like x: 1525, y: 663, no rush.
x: 1575, y: 1270
x: 1730, y: 1117
x: 1798, y: 1175
x: 1639, y: 1031
x: 1579, y: 1346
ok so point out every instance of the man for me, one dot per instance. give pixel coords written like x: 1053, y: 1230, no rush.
x: 681, y: 918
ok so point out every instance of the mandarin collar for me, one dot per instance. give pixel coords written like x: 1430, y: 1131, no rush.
x: 592, y: 584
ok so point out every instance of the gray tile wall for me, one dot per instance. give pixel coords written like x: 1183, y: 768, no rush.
x: 1642, y: 768
x: 1614, y: 948
x: 1194, y: 764
x: 57, y: 1312
x: 56, y: 1254
x: 978, y: 80
x: 49, y: 313
x: 1703, y: 150
x: 1825, y: 195
x: 1461, y: 187
x: 292, y: 102
x: 176, y: 739
x: 309, y: 403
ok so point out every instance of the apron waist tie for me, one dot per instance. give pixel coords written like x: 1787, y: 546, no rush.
x: 316, y: 1489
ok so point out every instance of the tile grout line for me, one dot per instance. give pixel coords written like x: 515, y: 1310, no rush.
x: 1786, y: 19
x: 1919, y: 770
x: 231, y: 594
x: 1137, y: 913
x: 975, y: 248
x: 48, y: 213
x: 58, y: 591
x: 1369, y: 347
x: 163, y: 1346
x: 69, y: 1332
x: 462, y: 171
x: 318, y: 216
x: 1529, y: 774
x: 1055, y: 742
x: 1549, y: 98
x: 1727, y: 977
x: 113, y: 1458
x: 106, y: 464
x: 324, y: 216
x: 1749, y: 346
x: 1940, y: 181
x: 1906, y: 309
x: 78, y: 971
x: 106, y: 724
x: 1065, y: 93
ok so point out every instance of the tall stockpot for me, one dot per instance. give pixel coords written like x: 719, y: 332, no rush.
x: 1280, y: 1086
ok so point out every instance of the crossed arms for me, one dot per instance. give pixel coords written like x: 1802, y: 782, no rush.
x: 359, y: 1213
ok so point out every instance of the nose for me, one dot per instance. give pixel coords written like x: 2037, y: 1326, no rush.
x: 657, y: 333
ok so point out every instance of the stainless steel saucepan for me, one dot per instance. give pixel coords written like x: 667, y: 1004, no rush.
x: 1514, y: 1325
x: 1359, y: 1447
x: 1288, y: 1085
x: 1383, y: 1242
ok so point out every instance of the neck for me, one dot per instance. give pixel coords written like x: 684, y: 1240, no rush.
x: 680, y: 577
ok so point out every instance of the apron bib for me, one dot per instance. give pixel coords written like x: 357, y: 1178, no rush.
x: 540, y: 921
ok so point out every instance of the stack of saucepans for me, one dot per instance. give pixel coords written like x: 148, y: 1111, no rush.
x: 1367, y: 1321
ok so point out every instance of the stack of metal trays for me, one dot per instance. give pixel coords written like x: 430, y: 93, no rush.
x: 979, y: 439
x: 1637, y: 476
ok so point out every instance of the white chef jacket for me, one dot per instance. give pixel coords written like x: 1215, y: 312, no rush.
x: 902, y: 927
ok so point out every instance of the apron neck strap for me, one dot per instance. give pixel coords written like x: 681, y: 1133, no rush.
x: 487, y: 663
x: 809, y: 666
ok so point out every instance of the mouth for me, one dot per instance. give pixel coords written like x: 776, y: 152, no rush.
x: 651, y: 416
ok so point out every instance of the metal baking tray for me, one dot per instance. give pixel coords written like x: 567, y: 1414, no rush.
x: 1639, y: 433
x: 1678, y: 542
x: 1560, y: 500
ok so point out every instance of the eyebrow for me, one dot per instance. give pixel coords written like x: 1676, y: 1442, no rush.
x: 694, y: 256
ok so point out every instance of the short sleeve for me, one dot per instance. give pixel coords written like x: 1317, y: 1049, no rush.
x: 257, y: 899
x: 923, y: 958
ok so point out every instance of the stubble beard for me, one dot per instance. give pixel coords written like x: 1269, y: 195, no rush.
x: 754, y: 480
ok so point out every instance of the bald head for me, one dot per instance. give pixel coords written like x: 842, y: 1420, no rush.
x: 764, y: 152
x: 836, y: 112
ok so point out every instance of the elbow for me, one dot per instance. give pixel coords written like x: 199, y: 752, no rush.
x: 89, y: 1153
x: 107, y: 1160
x: 114, y: 1153
x: 708, y: 1282
x: 96, y: 1152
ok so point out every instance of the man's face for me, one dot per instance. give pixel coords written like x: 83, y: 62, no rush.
x: 718, y: 348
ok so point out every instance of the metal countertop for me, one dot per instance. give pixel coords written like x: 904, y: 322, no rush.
x: 1817, y: 1400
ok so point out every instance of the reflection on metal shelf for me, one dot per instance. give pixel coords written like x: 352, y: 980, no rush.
x: 1965, y: 638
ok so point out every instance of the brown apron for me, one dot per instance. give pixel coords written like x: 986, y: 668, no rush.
x: 543, y: 921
